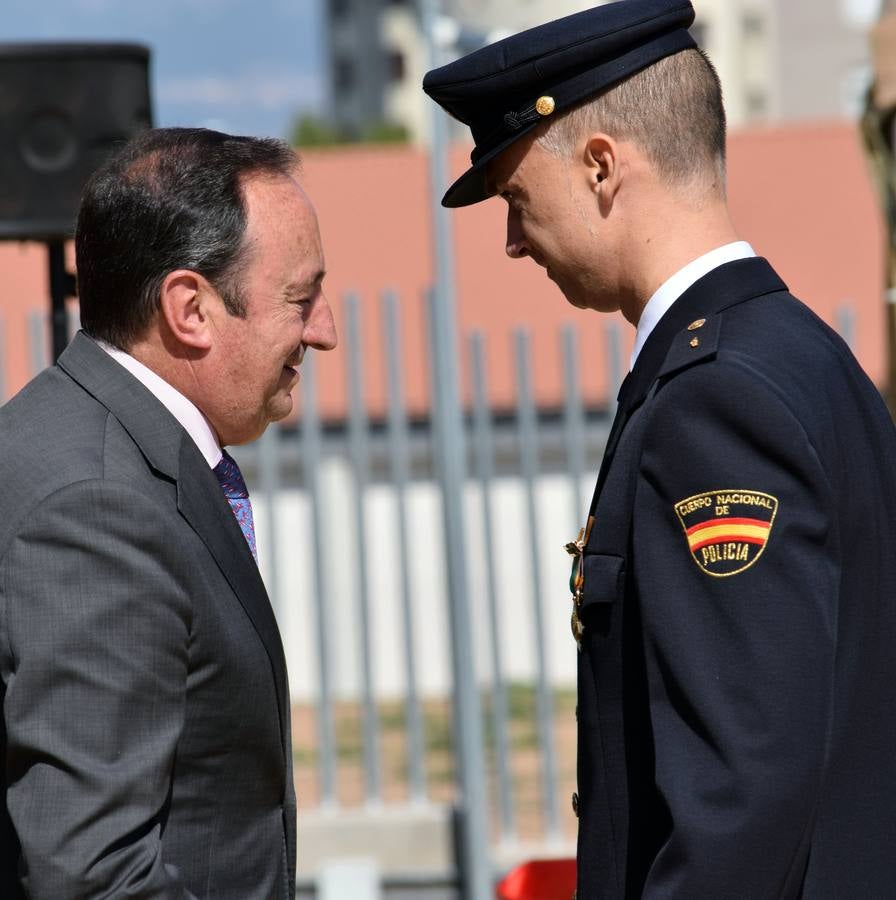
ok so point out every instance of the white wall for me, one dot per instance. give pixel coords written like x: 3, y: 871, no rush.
x: 294, y: 583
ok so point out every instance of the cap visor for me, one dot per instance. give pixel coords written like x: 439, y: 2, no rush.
x: 472, y: 186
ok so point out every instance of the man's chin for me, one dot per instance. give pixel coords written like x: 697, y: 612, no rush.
x: 574, y: 298
x: 580, y: 298
x: 281, y: 407
x: 577, y: 302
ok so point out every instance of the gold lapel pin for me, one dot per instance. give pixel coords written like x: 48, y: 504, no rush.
x: 695, y: 325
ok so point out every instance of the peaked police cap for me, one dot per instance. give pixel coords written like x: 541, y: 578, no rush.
x: 505, y: 89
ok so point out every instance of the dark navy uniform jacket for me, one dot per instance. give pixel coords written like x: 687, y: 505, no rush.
x: 737, y: 686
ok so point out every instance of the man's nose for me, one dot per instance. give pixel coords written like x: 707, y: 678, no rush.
x: 516, y: 247
x: 320, y: 328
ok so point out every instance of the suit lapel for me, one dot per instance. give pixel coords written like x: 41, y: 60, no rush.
x: 172, y: 454
x: 202, y: 504
x: 719, y: 289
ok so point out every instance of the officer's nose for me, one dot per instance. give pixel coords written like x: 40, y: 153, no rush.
x: 516, y: 246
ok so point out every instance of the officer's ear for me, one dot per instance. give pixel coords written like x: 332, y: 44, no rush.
x: 601, y: 157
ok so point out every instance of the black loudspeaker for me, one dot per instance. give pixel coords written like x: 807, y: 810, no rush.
x: 63, y: 108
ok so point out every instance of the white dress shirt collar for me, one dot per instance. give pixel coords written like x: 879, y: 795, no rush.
x: 671, y: 289
x: 188, y: 414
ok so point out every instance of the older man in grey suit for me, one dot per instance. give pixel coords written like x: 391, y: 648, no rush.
x: 145, y: 733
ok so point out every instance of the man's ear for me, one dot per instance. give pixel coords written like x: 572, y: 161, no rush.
x: 602, y: 159
x: 184, y: 304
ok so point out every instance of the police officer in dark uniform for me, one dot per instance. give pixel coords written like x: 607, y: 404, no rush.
x: 735, y: 584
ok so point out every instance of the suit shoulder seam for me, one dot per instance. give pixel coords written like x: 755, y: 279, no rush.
x: 76, y: 484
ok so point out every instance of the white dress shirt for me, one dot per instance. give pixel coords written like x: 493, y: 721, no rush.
x: 671, y: 289
x: 194, y: 422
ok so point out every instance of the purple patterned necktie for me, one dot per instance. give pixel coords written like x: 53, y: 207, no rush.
x: 237, y: 494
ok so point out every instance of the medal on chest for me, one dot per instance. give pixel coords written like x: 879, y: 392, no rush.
x: 576, y: 549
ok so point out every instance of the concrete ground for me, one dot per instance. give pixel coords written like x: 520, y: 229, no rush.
x: 410, y: 840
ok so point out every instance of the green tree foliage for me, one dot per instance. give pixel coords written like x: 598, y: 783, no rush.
x: 311, y: 131
x: 315, y: 131
x: 386, y: 133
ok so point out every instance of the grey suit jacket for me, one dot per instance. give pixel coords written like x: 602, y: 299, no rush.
x: 145, y: 731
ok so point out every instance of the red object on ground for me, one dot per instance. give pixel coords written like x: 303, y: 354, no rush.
x: 540, y: 879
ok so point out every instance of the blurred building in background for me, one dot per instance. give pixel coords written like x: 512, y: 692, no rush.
x: 371, y: 61
x: 779, y: 60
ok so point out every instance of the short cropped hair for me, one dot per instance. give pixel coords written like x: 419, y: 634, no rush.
x: 672, y: 110
x: 172, y: 198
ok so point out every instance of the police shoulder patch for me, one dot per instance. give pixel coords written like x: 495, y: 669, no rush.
x: 727, y: 530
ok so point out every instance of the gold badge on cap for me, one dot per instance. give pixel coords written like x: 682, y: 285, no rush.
x: 544, y: 106
x: 727, y: 530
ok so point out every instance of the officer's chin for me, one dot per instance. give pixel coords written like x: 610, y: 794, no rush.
x: 573, y: 297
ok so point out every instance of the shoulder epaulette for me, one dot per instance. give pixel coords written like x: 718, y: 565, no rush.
x: 696, y: 343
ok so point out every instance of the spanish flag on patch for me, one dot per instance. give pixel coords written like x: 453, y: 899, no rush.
x: 727, y: 530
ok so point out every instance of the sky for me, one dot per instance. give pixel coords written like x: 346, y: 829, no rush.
x: 243, y: 66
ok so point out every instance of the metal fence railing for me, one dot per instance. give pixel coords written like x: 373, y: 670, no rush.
x: 352, y: 551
